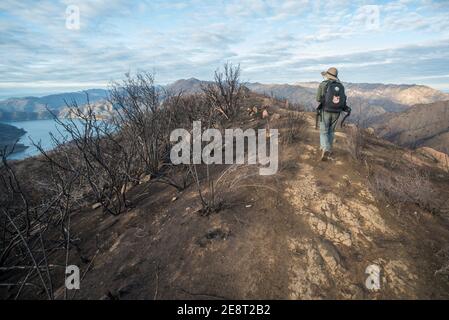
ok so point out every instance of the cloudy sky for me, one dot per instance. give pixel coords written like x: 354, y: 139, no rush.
x: 44, y: 50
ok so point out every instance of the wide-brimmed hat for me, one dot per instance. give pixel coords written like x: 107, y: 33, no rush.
x: 331, y: 73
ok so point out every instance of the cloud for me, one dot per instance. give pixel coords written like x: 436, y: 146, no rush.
x: 274, y: 40
x: 408, y: 64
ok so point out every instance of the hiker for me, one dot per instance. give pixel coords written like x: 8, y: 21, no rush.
x: 332, y: 98
x: 253, y: 112
x: 266, y: 115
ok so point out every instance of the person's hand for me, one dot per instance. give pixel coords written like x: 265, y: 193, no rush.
x: 265, y: 114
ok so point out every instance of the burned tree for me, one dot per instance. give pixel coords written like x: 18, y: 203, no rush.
x: 225, y: 94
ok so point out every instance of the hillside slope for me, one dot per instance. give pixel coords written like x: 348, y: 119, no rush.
x: 309, y: 232
x: 9, y: 135
x: 422, y: 125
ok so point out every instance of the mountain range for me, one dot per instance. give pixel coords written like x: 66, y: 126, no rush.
x: 367, y: 100
x: 33, y: 108
x: 410, y: 115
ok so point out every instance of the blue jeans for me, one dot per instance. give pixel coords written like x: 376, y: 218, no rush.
x: 328, y: 124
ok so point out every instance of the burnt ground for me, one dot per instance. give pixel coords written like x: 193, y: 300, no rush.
x: 309, y: 232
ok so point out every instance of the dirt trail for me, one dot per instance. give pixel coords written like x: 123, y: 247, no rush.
x: 350, y: 232
x: 313, y: 238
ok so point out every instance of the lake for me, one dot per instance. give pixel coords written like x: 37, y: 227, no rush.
x: 38, y: 130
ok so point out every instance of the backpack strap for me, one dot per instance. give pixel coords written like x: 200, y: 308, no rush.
x: 329, y: 82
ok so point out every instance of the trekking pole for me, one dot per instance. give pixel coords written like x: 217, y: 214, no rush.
x: 318, y: 116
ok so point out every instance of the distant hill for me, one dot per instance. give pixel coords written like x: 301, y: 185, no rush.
x: 187, y: 86
x: 33, y: 108
x: 294, y: 93
x: 400, y: 94
x: 29, y: 108
x: 421, y: 125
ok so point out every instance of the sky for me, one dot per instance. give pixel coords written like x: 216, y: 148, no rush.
x: 45, y: 48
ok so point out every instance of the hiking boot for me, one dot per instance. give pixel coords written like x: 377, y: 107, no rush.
x: 324, y: 155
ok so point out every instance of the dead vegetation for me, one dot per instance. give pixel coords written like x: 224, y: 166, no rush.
x: 356, y: 141
x: 97, y: 161
x: 32, y: 231
x: 294, y: 124
x: 407, y: 185
x: 226, y: 92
